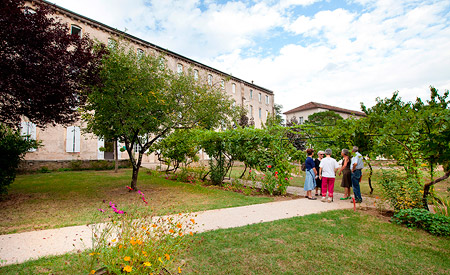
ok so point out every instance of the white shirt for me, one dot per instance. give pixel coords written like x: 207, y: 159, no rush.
x: 329, y: 166
x: 358, y: 159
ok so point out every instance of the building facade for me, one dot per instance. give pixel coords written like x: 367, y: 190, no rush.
x: 71, y: 143
x: 301, y: 113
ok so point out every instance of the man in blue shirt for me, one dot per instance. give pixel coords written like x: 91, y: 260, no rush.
x: 356, y: 166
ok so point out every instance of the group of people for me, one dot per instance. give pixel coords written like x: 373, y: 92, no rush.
x: 321, y: 174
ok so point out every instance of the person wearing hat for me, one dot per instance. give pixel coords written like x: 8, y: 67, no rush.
x: 320, y: 156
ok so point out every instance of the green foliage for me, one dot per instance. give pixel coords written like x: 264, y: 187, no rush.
x: 324, y: 118
x: 141, y: 101
x: 256, y: 148
x: 441, y: 205
x: 434, y: 223
x: 76, y: 165
x: 401, y: 192
x: 44, y: 170
x: 13, y: 148
x: 179, y: 147
x: 273, y: 182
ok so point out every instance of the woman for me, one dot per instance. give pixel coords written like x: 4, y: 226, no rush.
x: 320, y: 156
x: 346, y: 174
x: 311, y: 172
x: 328, y: 167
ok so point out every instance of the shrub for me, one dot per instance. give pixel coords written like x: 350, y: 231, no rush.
x: 136, y: 243
x: 75, y: 165
x: 401, y: 192
x: 436, y: 224
x: 441, y: 206
x: 274, y: 182
x: 12, y: 150
x: 102, y: 165
x: 44, y: 169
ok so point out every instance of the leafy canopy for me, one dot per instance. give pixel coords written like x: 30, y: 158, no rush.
x: 42, y: 66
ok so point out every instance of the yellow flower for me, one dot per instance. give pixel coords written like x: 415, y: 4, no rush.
x: 144, y: 228
x: 179, y: 225
x: 167, y: 256
x: 127, y: 258
x: 154, y: 225
x: 190, y: 233
x: 192, y: 220
x: 159, y: 259
x: 127, y: 268
x: 171, y: 231
x: 147, y: 264
x: 139, y: 242
x: 179, y: 269
x: 113, y: 240
x: 91, y: 254
x: 92, y: 272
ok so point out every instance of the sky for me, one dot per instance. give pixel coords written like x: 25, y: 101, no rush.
x: 334, y: 52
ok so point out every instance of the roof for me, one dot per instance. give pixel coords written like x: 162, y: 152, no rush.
x: 315, y: 105
x: 146, y: 43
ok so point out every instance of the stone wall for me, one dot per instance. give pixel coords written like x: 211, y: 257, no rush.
x: 35, y: 165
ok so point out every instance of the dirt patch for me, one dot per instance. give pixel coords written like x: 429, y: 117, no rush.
x: 384, y: 215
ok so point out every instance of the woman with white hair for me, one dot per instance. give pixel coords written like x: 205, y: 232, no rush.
x: 347, y: 174
x: 327, y: 174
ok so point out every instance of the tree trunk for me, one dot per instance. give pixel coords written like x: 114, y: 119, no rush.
x: 369, y: 179
x: 136, y: 167
x: 426, y: 188
x: 116, y: 157
x: 243, y: 173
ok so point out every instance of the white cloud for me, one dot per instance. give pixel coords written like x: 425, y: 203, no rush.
x: 336, y: 56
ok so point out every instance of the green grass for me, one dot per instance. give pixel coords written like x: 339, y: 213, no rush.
x: 57, y: 199
x: 336, y: 242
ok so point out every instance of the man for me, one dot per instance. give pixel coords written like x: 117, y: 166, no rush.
x: 356, y: 165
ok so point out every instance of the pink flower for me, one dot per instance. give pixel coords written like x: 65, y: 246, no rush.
x: 101, y: 210
x: 129, y: 188
x: 291, y: 177
x: 285, y: 178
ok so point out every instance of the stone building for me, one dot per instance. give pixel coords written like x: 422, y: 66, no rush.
x: 70, y: 143
x: 301, y: 113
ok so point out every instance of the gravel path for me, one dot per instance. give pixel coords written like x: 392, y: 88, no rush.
x: 20, y: 247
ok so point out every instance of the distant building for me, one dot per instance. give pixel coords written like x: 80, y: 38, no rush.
x: 301, y: 113
x: 70, y: 143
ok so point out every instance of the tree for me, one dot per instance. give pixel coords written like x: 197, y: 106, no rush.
x: 12, y: 150
x: 415, y: 134
x: 140, y: 101
x: 42, y: 66
x: 326, y: 118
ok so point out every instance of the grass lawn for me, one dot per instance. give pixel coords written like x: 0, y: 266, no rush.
x: 57, y: 199
x: 336, y: 242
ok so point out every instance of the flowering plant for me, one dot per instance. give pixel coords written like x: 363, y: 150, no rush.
x: 134, y: 243
x: 275, y: 182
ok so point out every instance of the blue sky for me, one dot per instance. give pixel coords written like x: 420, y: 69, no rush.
x: 334, y: 52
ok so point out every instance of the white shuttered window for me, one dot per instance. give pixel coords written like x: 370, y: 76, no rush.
x: 28, y: 130
x: 73, y: 139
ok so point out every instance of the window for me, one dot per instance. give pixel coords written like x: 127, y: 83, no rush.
x: 233, y: 88
x: 73, y: 139
x: 112, y: 43
x: 140, y: 53
x: 259, y: 97
x: 162, y: 63
x: 210, y: 79
x: 28, y: 131
x: 251, y: 111
x: 100, y: 144
x: 267, y: 99
x: 259, y: 113
x: 300, y: 120
x: 222, y: 84
x: 75, y: 30
x: 196, y: 74
x: 251, y: 94
x: 179, y: 68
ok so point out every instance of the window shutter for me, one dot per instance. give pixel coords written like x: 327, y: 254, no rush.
x: 73, y: 139
x: 100, y: 154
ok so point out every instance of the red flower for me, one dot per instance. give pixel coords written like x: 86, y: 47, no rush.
x: 269, y: 166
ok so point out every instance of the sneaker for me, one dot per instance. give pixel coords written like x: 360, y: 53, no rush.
x: 330, y: 199
x: 324, y: 199
x: 346, y: 198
